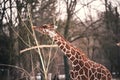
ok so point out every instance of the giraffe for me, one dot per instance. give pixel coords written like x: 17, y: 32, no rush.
x: 82, y: 67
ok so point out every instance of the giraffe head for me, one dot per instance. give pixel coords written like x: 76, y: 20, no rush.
x: 48, y: 29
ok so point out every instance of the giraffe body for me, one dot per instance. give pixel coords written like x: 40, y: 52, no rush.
x: 82, y: 67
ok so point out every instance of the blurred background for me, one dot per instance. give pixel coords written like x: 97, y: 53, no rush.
x: 90, y: 25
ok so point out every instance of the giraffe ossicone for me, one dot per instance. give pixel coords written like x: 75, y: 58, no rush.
x: 82, y: 67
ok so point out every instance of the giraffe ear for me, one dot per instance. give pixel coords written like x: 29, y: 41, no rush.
x: 55, y: 27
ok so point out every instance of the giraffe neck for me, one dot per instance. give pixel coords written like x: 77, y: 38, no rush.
x: 70, y: 51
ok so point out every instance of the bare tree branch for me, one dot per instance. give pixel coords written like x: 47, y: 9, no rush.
x: 83, y: 34
x: 17, y: 67
x: 34, y: 47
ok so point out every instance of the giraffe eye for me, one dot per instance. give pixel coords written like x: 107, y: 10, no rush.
x: 44, y: 26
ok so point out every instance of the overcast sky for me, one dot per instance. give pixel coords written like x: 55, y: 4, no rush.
x: 84, y: 11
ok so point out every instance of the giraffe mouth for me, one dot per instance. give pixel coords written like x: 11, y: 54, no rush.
x: 34, y: 27
x: 37, y: 28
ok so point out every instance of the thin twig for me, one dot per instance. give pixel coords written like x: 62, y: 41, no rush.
x: 50, y: 53
x: 17, y: 67
x: 34, y: 47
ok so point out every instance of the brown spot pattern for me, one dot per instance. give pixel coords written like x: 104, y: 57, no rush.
x: 77, y: 68
x: 75, y: 62
x: 72, y: 58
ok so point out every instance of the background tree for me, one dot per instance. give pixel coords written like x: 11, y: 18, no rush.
x: 70, y: 8
x: 96, y: 35
x: 112, y: 37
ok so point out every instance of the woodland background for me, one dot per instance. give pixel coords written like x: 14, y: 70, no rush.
x: 96, y: 36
